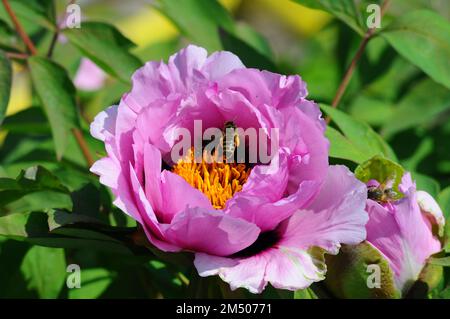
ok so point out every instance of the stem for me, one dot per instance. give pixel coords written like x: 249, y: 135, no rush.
x: 76, y: 131
x: 53, y: 43
x: 57, y: 32
x: 349, y: 73
x: 83, y: 146
x: 17, y: 55
x: 19, y: 28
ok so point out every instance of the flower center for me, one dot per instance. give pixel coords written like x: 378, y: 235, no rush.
x: 218, y: 181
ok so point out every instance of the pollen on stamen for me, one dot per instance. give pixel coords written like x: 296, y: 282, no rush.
x: 219, y: 181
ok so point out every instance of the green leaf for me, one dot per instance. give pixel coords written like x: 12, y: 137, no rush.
x: 305, y: 294
x: 31, y: 180
x: 94, y: 281
x: 165, y: 279
x: 423, y: 38
x: 157, y: 51
x: 417, y: 107
x: 56, y: 229
x: 199, y: 20
x: 444, y: 261
x: 348, y: 11
x: 341, y: 147
x: 369, y: 109
x: 57, y: 95
x: 37, y: 12
x: 45, y: 270
x: 5, y: 84
x: 248, y: 55
x: 21, y: 226
x: 381, y: 170
x: 107, y: 47
x: 207, y: 23
x: 348, y: 273
x: 38, y: 201
x: 426, y: 183
x: 8, y: 39
x: 13, y: 282
x: 365, y: 142
x: 29, y: 120
x: 428, y: 281
x: 254, y: 39
x: 444, y: 203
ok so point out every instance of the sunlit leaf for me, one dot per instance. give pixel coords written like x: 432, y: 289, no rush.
x: 423, y: 37
x: 305, y: 294
x: 350, y: 12
x: 64, y: 230
x: 341, y: 147
x: 36, y: 12
x: 198, y: 19
x: 31, y: 180
x: 107, y: 47
x: 45, y: 270
x: 444, y: 261
x: 363, y: 139
x: 94, y: 281
x: 248, y: 55
x: 417, y: 108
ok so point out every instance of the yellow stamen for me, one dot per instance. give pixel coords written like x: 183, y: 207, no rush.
x: 218, y: 181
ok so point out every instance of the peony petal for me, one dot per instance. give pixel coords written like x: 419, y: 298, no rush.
x: 431, y: 211
x: 108, y: 170
x: 211, y: 232
x: 286, y: 90
x: 251, y: 85
x: 104, y: 124
x: 221, y: 63
x: 152, y: 169
x: 179, y: 195
x: 301, y: 130
x: 234, y: 106
x: 159, y: 113
x: 284, y: 268
x: 268, y: 181
x: 292, y: 269
x: 287, y: 264
x: 147, y: 217
x: 402, y: 235
x: 248, y: 273
x: 267, y: 215
x: 149, y: 84
x: 336, y: 215
x: 186, y: 61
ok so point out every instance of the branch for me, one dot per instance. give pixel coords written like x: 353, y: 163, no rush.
x: 349, y: 73
x: 57, y: 32
x: 83, y: 146
x: 17, y: 55
x: 76, y: 131
x: 19, y: 28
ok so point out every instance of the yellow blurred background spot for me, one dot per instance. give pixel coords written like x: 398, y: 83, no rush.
x: 302, y: 20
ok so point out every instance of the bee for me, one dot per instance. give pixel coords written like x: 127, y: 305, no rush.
x: 230, y: 143
x: 381, y: 194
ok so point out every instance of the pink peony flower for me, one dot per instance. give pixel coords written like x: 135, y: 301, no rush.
x: 403, y: 231
x: 249, y: 223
